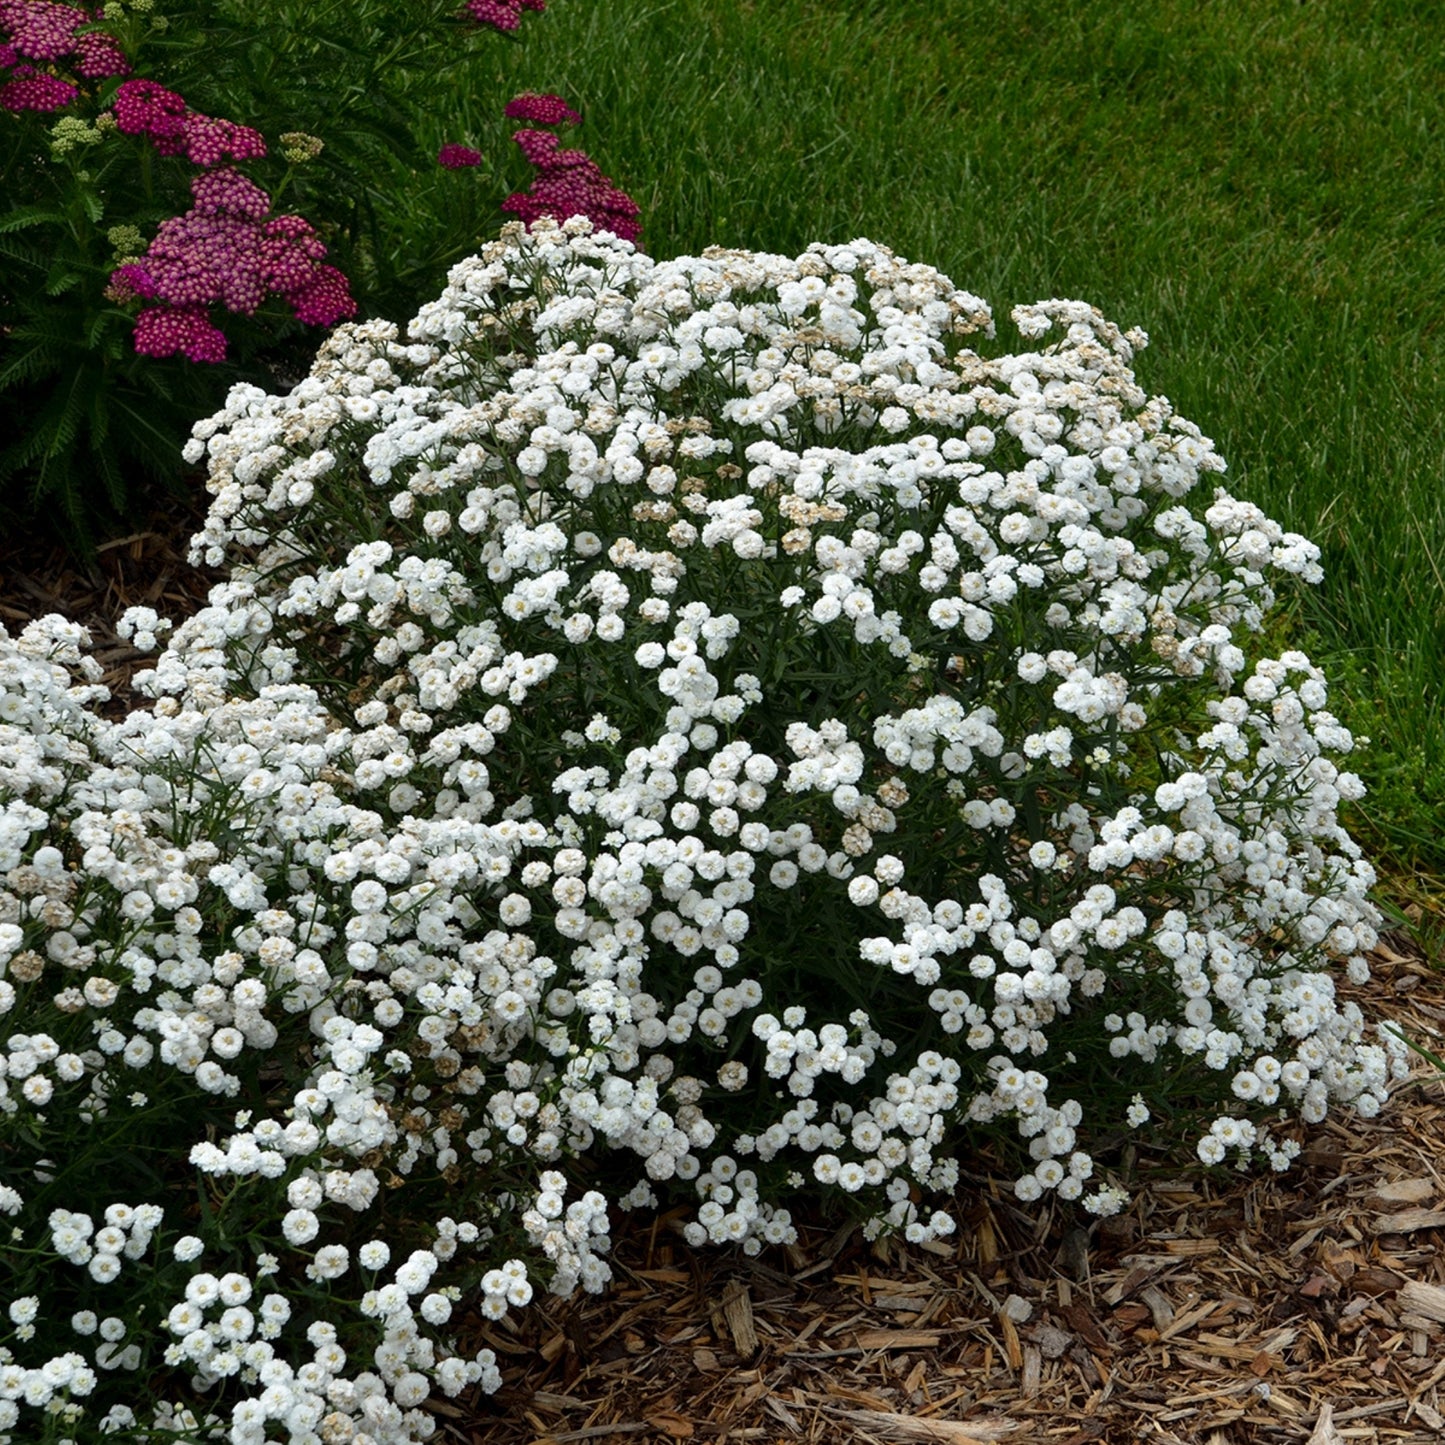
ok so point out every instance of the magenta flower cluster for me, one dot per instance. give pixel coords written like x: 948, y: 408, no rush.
x: 567, y: 183
x: 31, y: 89
x: 40, y: 30
x: 501, y: 14
x: 458, y: 157
x: 144, y: 108
x: 541, y: 109
x: 227, y: 248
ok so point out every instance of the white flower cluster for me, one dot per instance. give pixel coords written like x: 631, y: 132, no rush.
x: 702, y: 716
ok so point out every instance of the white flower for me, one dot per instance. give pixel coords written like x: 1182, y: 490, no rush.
x: 1210, y: 1149
x: 862, y: 890
x: 300, y: 1226
x: 236, y: 1323
x: 202, y: 1289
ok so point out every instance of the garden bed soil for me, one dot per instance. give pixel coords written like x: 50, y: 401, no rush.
x: 1220, y: 1309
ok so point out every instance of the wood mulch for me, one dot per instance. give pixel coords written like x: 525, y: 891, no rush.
x: 143, y: 568
x: 1220, y: 1309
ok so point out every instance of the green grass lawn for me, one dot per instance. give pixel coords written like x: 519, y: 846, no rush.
x: 1260, y: 184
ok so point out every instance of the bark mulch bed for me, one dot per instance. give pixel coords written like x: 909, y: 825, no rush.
x: 1307, y: 1309
x: 144, y: 568
x: 1219, y: 1310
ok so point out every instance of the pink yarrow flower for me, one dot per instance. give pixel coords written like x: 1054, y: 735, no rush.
x: 187, y: 330
x: 209, y: 141
x: 44, y: 31
x: 501, y: 14
x: 541, y: 109
x: 324, y: 299
x: 458, y: 157
x: 569, y: 183
x: 33, y: 90
x: 227, y: 248
x: 99, y: 55
x: 228, y: 193
x: 41, y: 29
x: 144, y: 108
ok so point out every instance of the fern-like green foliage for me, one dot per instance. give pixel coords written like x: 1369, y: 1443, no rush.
x: 95, y: 427
x: 92, y: 427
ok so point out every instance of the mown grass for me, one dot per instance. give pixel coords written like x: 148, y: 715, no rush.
x: 1257, y: 183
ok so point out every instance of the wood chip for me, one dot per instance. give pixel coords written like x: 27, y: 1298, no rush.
x: 1079, y: 1319
x: 899, y: 1339
x: 548, y: 1400
x: 594, y: 1432
x: 1403, y: 1191
x: 780, y: 1411
x: 671, y: 1423
x: 1013, y: 1352
x: 909, y: 1428
x: 1052, y: 1342
x: 1407, y: 1221
x: 1160, y: 1310
x: 1187, y: 1320
x: 1431, y: 1416
x: 1191, y: 1248
x: 1422, y: 1299
x: 1030, y: 1376
x: 1324, y: 1432
x: 735, y: 1314
x: 1133, y: 1278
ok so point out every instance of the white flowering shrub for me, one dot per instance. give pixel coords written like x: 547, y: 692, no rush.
x: 714, y: 729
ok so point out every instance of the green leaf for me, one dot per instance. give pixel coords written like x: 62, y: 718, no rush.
x: 35, y: 361
x: 1426, y: 1054
x: 98, y: 324
x: 55, y: 430
x: 19, y: 219
x: 156, y: 446
x: 23, y: 252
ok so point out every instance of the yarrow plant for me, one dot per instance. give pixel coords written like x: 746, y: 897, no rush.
x: 501, y: 14
x: 48, y: 33
x: 719, y: 729
x: 145, y: 233
x: 85, y: 184
x: 227, y: 248
x: 567, y: 183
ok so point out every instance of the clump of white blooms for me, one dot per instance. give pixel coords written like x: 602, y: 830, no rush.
x: 725, y: 721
